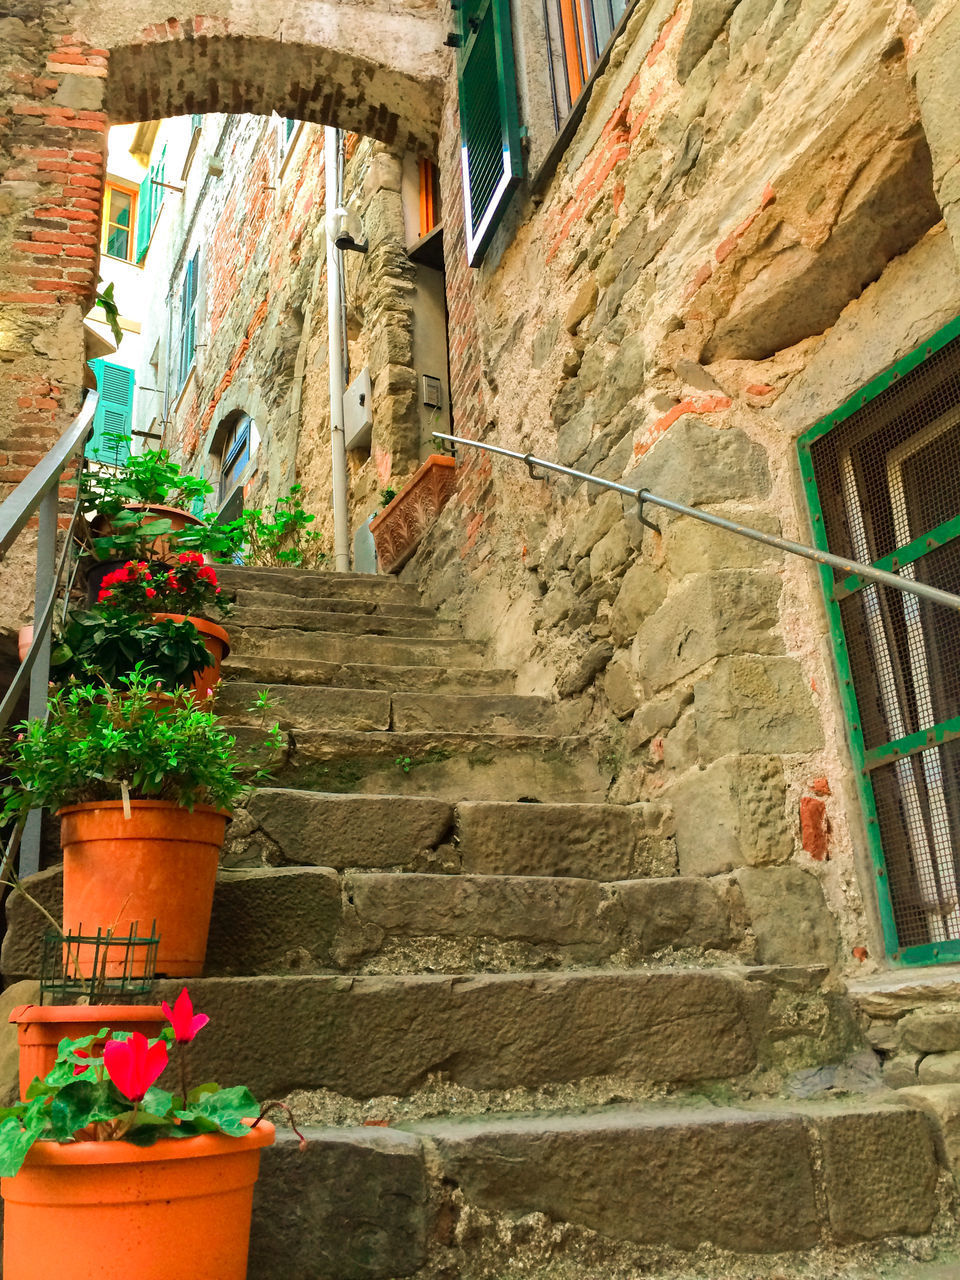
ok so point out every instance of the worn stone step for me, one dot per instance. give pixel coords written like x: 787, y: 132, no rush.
x: 277, y: 920
x: 353, y: 624
x: 338, y: 647
x: 612, y: 1190
x: 318, y: 583
x: 423, y: 833
x: 484, y: 766
x: 364, y: 1036
x: 317, y: 706
x: 378, y: 605
x: 355, y: 675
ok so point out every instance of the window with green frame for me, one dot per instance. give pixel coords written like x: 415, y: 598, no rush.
x: 882, y: 478
x: 151, y: 198
x: 112, y: 422
x: 188, y: 319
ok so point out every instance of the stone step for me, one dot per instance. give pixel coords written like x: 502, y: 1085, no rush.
x: 366, y: 1036
x: 414, y: 833
x: 353, y: 624
x: 603, y: 1194
x: 291, y: 920
x: 355, y: 675
x: 378, y: 604
x: 335, y: 646
x: 309, y: 706
x: 484, y: 766
x: 317, y: 583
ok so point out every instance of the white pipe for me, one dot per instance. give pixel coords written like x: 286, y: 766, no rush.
x: 341, y: 513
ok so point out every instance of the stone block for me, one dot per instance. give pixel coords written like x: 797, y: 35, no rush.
x: 23, y: 940
x: 742, y: 1182
x: 731, y: 814
x: 273, y: 920
x: 942, y: 1103
x: 675, y: 911
x: 879, y: 1173
x: 528, y: 908
x: 707, y: 20
x: 642, y: 591
x: 27, y: 992
x: 689, y: 546
x: 709, y: 616
x: 611, y: 552
x: 653, y: 717
x: 363, y: 1036
x: 352, y: 1206
x: 680, y: 750
x: 756, y: 704
x: 939, y: 1068
x: 599, y: 841
x: 699, y: 464
x: 582, y: 304
x: 900, y: 1071
x: 582, y: 668
x: 934, y: 1030
x: 350, y: 831
x: 472, y: 713
x: 599, y: 520
x: 788, y: 915
x: 620, y: 685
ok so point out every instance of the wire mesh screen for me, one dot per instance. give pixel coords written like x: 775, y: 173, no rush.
x: 888, y: 479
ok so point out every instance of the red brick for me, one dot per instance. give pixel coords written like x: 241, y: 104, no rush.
x: 814, y: 827
x: 79, y: 251
x: 30, y: 246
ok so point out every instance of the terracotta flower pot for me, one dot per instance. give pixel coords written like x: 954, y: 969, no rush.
x: 158, y: 864
x: 160, y: 547
x: 24, y: 641
x: 218, y: 646
x: 179, y: 1208
x: 40, y: 1028
x: 399, y: 528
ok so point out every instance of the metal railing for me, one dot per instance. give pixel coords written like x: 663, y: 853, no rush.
x: 38, y: 494
x: 644, y: 496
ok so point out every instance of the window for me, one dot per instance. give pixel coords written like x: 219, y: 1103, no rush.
x: 151, y: 198
x: 430, y: 217
x: 110, y: 442
x: 119, y: 221
x: 578, y: 32
x: 882, y: 476
x: 287, y: 133
x: 489, y: 119
x: 188, y: 319
x: 234, y: 455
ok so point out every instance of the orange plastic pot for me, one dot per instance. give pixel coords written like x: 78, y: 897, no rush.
x: 40, y: 1028
x: 160, y: 864
x: 113, y: 1211
x: 160, y: 548
x: 218, y: 646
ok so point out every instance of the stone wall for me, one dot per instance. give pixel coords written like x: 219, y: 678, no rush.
x: 746, y: 227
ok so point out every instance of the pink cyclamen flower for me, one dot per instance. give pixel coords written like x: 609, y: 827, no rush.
x: 181, y: 1017
x: 134, y: 1064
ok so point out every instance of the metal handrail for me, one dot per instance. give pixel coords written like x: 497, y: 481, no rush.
x: 38, y: 493
x: 643, y: 496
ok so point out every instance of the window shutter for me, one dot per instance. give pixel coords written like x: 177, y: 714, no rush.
x: 489, y: 120
x: 110, y: 442
x: 144, y: 215
x: 188, y: 317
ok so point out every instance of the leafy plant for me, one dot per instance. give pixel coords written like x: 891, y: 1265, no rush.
x: 387, y: 496
x: 220, y: 540
x: 110, y: 644
x: 132, y: 535
x: 149, y: 478
x: 103, y: 1088
x: 404, y: 763
x: 125, y: 742
x: 189, y: 587
x: 107, y: 303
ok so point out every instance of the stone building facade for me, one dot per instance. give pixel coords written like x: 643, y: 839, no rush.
x: 748, y: 214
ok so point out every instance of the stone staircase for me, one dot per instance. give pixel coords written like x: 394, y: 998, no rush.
x: 544, y: 1052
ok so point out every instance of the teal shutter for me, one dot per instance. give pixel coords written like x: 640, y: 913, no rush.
x: 144, y: 215
x: 489, y: 120
x: 188, y: 317
x: 112, y: 422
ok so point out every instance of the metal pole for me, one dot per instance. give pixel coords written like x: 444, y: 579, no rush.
x: 642, y: 496
x: 341, y: 515
x: 40, y: 675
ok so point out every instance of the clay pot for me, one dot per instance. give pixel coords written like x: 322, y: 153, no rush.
x: 218, y: 646
x: 399, y: 528
x: 160, y: 547
x: 179, y: 1208
x: 40, y: 1028
x: 160, y: 864
x: 24, y: 641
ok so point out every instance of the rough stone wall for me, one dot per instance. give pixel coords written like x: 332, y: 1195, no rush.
x: 744, y: 229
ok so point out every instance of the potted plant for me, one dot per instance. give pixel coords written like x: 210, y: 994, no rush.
x: 399, y: 528
x: 275, y: 538
x: 102, y: 1161
x: 143, y: 792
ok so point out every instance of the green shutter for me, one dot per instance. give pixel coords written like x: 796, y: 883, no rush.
x: 110, y: 442
x: 489, y: 121
x: 144, y: 215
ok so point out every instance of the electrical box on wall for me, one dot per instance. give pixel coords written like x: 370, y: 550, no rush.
x: 431, y: 392
x: 358, y: 411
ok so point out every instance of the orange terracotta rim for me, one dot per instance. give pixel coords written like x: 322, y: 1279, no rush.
x: 188, y: 516
x: 435, y: 460
x: 61, y: 1155
x: 202, y: 625
x: 94, y: 1013
x: 86, y: 805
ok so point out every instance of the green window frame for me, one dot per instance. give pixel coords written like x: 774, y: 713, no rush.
x: 188, y: 319
x: 113, y: 420
x: 490, y: 155
x: 149, y: 204
x: 914, y: 753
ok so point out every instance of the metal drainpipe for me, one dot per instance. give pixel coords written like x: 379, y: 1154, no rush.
x: 341, y: 515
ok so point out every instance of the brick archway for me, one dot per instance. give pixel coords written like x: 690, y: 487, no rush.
x: 69, y: 74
